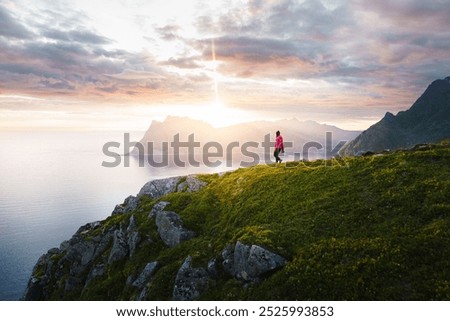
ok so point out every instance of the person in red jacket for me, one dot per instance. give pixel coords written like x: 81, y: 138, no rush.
x: 279, y: 147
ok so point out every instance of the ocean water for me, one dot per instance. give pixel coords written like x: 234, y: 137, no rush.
x: 51, y: 183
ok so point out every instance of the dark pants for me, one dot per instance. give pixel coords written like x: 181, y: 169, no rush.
x: 276, y: 153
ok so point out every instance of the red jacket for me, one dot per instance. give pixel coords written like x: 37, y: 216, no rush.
x: 279, y: 142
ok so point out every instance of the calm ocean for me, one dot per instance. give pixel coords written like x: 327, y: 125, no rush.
x: 50, y: 184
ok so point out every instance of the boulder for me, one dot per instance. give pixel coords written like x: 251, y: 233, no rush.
x: 261, y: 261
x: 190, y: 282
x: 170, y: 229
x: 249, y: 263
x: 240, y: 258
x: 160, y: 187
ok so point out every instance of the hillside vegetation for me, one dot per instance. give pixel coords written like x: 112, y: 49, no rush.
x: 362, y: 228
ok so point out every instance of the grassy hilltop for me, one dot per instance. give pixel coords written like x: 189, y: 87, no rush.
x: 364, y: 228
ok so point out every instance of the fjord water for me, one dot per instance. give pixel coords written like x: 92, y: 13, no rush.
x: 51, y: 183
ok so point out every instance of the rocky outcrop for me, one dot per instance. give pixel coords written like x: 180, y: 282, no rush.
x: 70, y: 263
x: 158, y: 207
x: 120, y: 247
x: 101, y: 249
x: 190, y: 282
x: 250, y: 263
x: 160, y: 187
x: 191, y: 184
x: 170, y: 228
x: 128, y: 205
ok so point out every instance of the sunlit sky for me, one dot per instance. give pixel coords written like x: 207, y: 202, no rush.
x: 119, y: 64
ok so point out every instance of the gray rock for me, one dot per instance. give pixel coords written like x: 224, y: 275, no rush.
x: 145, y: 275
x: 64, y: 246
x: 103, y: 242
x: 261, y: 261
x: 96, y: 271
x: 143, y: 295
x: 158, y: 207
x: 191, y: 184
x: 71, y: 284
x: 212, y: 268
x: 35, y: 290
x: 132, y: 224
x: 88, y: 227
x: 249, y: 263
x: 54, y: 251
x: 133, y: 240
x: 133, y: 236
x: 241, y: 254
x: 190, y: 282
x: 160, y: 187
x: 119, y: 248
x: 228, y: 260
x: 129, y: 204
x: 79, y: 255
x: 170, y: 229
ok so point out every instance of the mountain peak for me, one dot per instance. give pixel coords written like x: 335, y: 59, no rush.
x: 427, y: 121
x: 389, y: 116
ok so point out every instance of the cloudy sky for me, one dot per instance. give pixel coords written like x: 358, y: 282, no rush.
x: 118, y: 64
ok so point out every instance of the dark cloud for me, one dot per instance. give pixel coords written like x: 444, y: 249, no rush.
x: 10, y: 27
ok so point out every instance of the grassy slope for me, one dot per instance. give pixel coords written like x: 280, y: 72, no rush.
x: 374, y: 228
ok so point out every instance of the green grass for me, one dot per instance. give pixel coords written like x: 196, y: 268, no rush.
x: 365, y: 228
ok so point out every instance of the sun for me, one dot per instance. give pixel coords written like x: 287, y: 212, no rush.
x: 219, y: 115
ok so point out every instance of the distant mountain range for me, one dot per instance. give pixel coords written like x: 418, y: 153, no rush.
x: 298, y: 133
x: 427, y: 121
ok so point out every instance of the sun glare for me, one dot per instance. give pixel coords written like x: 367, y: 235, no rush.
x: 219, y: 115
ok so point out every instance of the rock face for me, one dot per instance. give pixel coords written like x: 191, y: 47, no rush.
x: 170, y: 228
x: 191, y: 184
x: 190, y: 282
x: 160, y: 187
x: 120, y: 247
x: 84, y: 264
x: 73, y: 259
x: 427, y: 121
x: 128, y: 205
x: 249, y: 263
